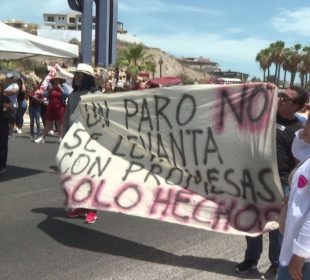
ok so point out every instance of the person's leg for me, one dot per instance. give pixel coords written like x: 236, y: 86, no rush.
x: 306, y: 270
x: 43, y: 113
x: 274, y: 247
x: 22, y: 111
x: 91, y: 216
x: 37, y: 117
x: 12, y: 122
x: 252, y: 254
x: 18, y: 114
x: 31, y: 117
x: 4, y: 137
x: 60, y: 130
x: 47, y: 127
x: 283, y: 274
x: 254, y: 247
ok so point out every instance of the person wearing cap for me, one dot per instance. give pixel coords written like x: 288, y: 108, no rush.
x: 83, y: 83
x: 57, y: 94
x: 11, y: 91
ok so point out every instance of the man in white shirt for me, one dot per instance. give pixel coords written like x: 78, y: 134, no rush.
x: 295, y: 251
x: 11, y: 91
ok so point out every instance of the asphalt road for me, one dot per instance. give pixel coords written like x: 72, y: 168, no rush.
x: 38, y: 241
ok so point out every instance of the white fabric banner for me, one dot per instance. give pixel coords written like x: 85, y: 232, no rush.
x: 202, y: 156
x: 62, y: 73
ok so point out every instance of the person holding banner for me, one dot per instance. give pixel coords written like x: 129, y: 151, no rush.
x: 57, y: 94
x: 290, y: 101
x: 295, y: 250
x: 83, y: 83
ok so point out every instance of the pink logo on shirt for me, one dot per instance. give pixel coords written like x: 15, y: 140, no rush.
x: 302, y: 181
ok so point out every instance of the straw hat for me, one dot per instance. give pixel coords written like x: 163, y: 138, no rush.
x: 85, y: 68
x: 2, y: 77
x: 57, y: 77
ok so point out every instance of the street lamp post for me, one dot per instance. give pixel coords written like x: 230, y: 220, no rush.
x: 160, y: 62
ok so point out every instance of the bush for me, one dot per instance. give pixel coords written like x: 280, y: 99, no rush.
x: 41, y: 71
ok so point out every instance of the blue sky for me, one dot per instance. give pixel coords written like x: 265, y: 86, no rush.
x: 228, y: 32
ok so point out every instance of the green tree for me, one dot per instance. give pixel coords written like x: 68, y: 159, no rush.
x: 150, y: 66
x: 294, y: 58
x: 264, y: 60
x: 286, y: 63
x: 306, y: 63
x: 134, y: 59
x: 277, y: 57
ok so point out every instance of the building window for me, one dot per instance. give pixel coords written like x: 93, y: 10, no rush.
x: 72, y: 20
x: 50, y: 19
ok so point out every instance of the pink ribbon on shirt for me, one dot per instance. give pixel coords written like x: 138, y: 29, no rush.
x: 302, y: 181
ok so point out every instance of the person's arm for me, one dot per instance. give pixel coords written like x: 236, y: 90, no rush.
x: 8, y: 105
x: 300, y: 148
x: 301, y: 142
x: 295, y: 267
x: 36, y: 98
x: 65, y: 92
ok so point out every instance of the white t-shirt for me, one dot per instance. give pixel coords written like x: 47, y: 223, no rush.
x: 297, y: 226
x: 13, y: 97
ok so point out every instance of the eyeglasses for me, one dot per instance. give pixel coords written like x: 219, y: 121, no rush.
x: 285, y: 98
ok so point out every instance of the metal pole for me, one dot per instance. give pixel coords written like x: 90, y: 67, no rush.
x: 86, y: 37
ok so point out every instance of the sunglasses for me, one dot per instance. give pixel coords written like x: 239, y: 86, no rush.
x: 285, y: 98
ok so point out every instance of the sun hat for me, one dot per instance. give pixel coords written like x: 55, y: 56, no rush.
x: 57, y: 77
x: 85, y: 68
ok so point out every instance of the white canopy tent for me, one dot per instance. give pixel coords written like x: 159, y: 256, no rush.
x: 17, y: 44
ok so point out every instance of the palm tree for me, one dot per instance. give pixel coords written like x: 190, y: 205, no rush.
x: 294, y: 58
x: 303, y: 72
x: 263, y: 58
x: 306, y: 62
x: 134, y: 59
x: 286, y: 63
x: 150, y: 67
x: 277, y: 56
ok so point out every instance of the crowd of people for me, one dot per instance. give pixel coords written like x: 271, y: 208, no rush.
x: 289, y: 253
x: 48, y: 108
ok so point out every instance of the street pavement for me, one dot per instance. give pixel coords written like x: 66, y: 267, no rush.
x: 38, y: 241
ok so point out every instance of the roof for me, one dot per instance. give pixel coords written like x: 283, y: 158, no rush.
x: 164, y: 81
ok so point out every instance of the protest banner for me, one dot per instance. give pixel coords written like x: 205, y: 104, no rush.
x: 57, y: 70
x: 202, y: 156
